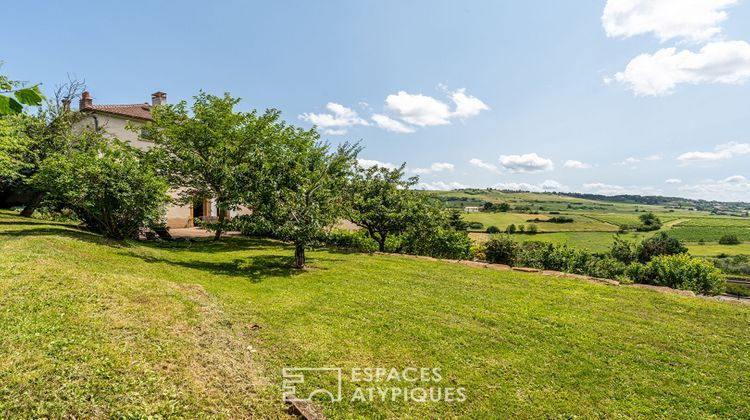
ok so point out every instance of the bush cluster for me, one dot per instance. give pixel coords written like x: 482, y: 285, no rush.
x: 531, y: 229
x: 682, y: 271
x: 729, y: 240
x: 658, y: 260
x: 442, y: 242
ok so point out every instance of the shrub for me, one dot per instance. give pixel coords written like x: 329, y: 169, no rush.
x: 684, y: 272
x: 659, y: 244
x: 532, y: 229
x: 533, y: 254
x: 510, y: 229
x: 649, y: 222
x: 521, y: 229
x: 567, y: 259
x: 478, y: 252
x: 607, y: 268
x: 356, y: 240
x: 729, y: 240
x: 501, y: 250
x: 623, y: 251
x: 560, y: 219
x: 110, y: 187
x: 493, y: 229
x: 438, y: 242
x: 476, y: 225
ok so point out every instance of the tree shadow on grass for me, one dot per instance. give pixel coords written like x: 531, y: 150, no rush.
x: 62, y: 231
x: 31, y: 223
x: 254, y: 268
x: 209, y: 246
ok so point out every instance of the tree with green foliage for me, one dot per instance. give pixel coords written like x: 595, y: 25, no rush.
x: 457, y: 221
x: 30, y: 139
x: 14, y: 95
x: 492, y: 207
x: 729, y: 240
x: 511, y: 229
x: 13, y: 149
x: 300, y: 195
x: 109, y: 185
x: 205, y: 149
x: 659, y: 244
x: 430, y: 231
x: 379, y: 200
x: 649, y: 222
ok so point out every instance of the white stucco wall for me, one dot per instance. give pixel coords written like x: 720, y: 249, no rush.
x: 115, y: 127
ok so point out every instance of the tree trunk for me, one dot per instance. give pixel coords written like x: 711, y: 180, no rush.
x: 32, y: 205
x: 220, y: 224
x: 381, y: 244
x: 299, y: 256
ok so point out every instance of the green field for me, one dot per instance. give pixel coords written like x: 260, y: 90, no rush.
x: 711, y: 229
x: 93, y: 328
x: 502, y: 220
x: 596, y: 222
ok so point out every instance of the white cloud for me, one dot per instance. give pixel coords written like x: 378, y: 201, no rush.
x: 423, y: 111
x: 692, y: 20
x: 528, y: 163
x: 368, y: 163
x: 387, y: 123
x: 721, y: 152
x: 673, y: 181
x: 418, y: 109
x: 435, y: 167
x: 632, y: 161
x: 337, y: 122
x: 546, y: 186
x: 659, y: 73
x: 440, y: 185
x: 735, y: 187
x: 575, y: 164
x: 610, y: 189
x: 467, y: 105
x: 403, y: 111
x: 479, y: 163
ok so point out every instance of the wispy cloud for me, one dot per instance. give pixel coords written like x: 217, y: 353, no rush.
x: 721, y: 152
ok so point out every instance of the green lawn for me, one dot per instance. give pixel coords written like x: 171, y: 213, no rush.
x: 92, y: 328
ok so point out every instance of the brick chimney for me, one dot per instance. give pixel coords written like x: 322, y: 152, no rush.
x: 85, y: 101
x: 158, y: 98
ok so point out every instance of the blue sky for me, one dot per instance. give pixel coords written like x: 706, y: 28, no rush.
x: 637, y: 96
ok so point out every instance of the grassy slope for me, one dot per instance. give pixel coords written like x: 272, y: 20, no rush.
x: 89, y: 328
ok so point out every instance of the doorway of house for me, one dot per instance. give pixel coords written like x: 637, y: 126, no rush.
x: 199, y: 209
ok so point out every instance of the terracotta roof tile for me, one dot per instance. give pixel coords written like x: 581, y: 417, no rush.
x: 136, y: 111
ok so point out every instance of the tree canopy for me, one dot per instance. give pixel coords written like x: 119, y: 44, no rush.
x: 205, y: 149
